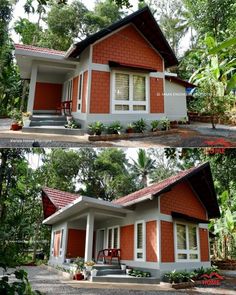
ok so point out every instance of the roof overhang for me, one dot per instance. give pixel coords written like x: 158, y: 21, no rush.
x: 177, y: 80
x: 145, y: 22
x: 85, y: 204
x: 184, y: 217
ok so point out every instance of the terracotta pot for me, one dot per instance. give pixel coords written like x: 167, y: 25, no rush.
x: 15, y: 127
x: 130, y: 130
x: 78, y: 277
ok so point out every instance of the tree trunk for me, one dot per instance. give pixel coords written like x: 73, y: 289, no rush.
x: 144, y: 180
x: 35, y: 239
x: 213, y: 122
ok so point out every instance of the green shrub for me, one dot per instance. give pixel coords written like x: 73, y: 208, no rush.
x: 140, y: 126
x: 114, y: 127
x: 22, y: 286
x: 165, y: 123
x: 72, y: 124
x: 16, y: 115
x: 155, y: 124
x: 96, y: 127
x: 139, y: 274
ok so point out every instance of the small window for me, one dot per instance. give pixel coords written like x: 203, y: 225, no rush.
x: 80, y: 93
x: 122, y: 87
x: 61, y: 242
x: 187, y: 242
x: 140, y: 240
x: 113, y: 238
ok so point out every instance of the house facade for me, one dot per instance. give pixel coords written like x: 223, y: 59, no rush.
x: 117, y: 74
x: 158, y: 228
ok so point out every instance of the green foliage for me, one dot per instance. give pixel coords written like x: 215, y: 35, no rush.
x: 140, y: 125
x: 114, y: 128
x: 165, y: 123
x: 72, y: 124
x: 22, y: 286
x: 139, y: 274
x: 16, y: 115
x: 79, y: 261
x: 96, y: 127
x: 29, y: 32
x: 155, y: 124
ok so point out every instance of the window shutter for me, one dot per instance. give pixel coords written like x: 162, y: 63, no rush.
x: 192, y: 233
x: 115, y: 238
x: 139, y: 236
x: 122, y: 86
x: 110, y: 238
x: 181, y: 237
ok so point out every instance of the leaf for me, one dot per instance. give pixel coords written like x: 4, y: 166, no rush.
x: 223, y: 45
x: 231, y: 84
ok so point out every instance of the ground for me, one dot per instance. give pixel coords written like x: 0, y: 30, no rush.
x: 194, y: 135
x: 49, y: 282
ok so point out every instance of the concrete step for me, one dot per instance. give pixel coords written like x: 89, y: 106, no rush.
x: 48, y: 123
x: 53, y: 130
x: 113, y: 278
x: 104, y: 272
x: 101, y: 266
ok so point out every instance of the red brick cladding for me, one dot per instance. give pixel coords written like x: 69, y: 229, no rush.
x: 204, y: 244
x: 151, y: 241
x: 167, y: 242
x: 85, y: 84
x: 47, y: 96
x: 76, y: 243
x: 127, y: 242
x: 156, y: 95
x: 100, y: 93
x: 75, y: 94
x: 181, y: 199
x: 127, y: 46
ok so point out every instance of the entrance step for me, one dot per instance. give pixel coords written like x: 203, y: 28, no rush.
x: 104, y: 272
x: 60, y: 130
x: 123, y: 278
x: 106, y: 266
x: 48, y: 120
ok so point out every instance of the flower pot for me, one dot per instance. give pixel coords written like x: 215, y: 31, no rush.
x: 130, y: 130
x: 128, y: 270
x: 78, y: 277
x: 26, y: 121
x: 15, y: 127
x: 68, y: 260
x: 69, y: 118
x: 89, y: 268
x: 94, y: 272
x: 123, y: 267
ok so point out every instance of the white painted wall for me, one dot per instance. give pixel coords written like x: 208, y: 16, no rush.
x: 175, y: 101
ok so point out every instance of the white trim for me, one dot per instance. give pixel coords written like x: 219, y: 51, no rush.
x: 187, y: 251
x: 80, y: 95
x: 100, y: 67
x: 142, y: 264
x: 130, y: 102
x: 157, y: 75
x: 112, y: 228
x: 143, y: 249
x: 32, y: 88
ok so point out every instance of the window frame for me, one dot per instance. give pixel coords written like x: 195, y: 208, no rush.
x: 68, y: 92
x: 143, y: 250
x: 112, y: 236
x: 131, y: 102
x: 188, y: 252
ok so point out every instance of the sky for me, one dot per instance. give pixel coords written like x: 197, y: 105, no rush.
x: 19, y: 12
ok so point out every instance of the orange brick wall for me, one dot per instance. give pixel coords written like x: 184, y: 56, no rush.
x: 204, y: 244
x: 156, y: 95
x: 127, y: 242
x: 84, y: 94
x: 151, y: 241
x: 48, y: 96
x: 181, y: 199
x: 127, y: 46
x: 100, y: 93
x: 75, y: 94
x: 167, y: 242
x: 76, y: 243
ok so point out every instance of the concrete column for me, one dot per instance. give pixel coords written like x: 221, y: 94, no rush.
x: 65, y: 238
x: 33, y: 80
x: 89, y: 237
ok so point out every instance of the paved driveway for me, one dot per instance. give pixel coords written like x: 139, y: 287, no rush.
x: 49, y: 282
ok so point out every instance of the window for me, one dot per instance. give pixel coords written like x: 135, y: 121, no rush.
x: 80, y: 93
x: 130, y: 92
x: 186, y: 242
x: 140, y: 240
x: 113, y: 237
x: 61, y: 242
x: 68, y: 86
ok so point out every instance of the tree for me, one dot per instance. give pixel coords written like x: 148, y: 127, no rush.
x: 29, y: 32
x: 143, y: 166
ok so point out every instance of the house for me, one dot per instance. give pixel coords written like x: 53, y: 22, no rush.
x: 118, y: 73
x: 159, y: 228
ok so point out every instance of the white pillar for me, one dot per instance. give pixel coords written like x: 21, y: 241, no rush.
x: 33, y: 80
x: 64, y: 243
x: 89, y: 237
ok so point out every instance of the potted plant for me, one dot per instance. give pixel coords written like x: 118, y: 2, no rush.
x: 26, y: 116
x: 96, y: 128
x: 114, y: 128
x: 89, y: 265
x: 174, y: 124
x: 94, y: 272
x: 123, y: 266
x: 80, y: 267
x: 140, y: 126
x: 165, y: 123
x: 17, y: 117
x: 72, y: 124
x: 128, y: 270
x: 130, y: 128
x: 155, y: 124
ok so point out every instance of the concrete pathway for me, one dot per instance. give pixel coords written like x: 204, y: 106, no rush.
x: 50, y: 282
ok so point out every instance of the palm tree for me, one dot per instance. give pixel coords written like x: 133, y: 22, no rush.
x: 143, y: 166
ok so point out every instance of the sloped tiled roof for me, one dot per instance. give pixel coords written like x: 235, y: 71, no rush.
x: 39, y: 49
x: 154, y: 188
x: 59, y: 198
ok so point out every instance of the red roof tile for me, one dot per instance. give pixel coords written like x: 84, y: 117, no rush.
x: 60, y: 199
x: 39, y: 49
x: 154, y: 188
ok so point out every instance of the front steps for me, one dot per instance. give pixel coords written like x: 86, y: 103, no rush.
x: 50, y: 124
